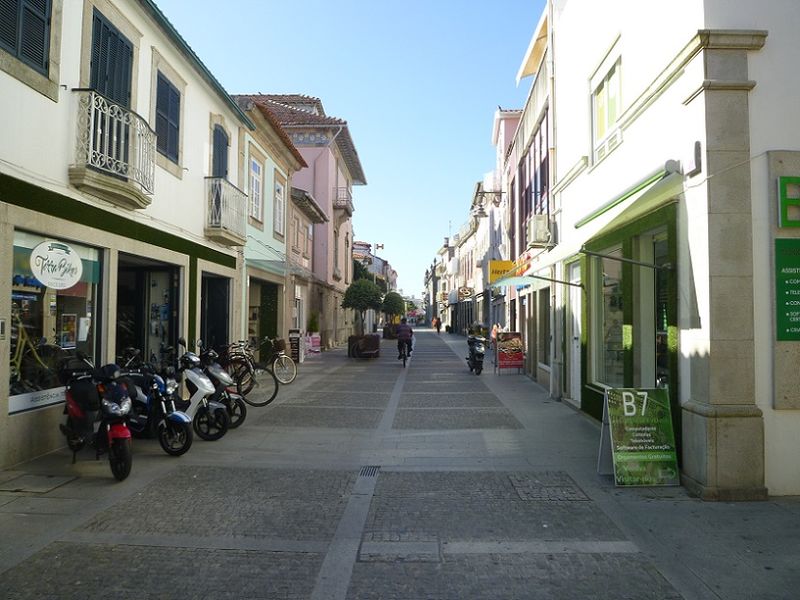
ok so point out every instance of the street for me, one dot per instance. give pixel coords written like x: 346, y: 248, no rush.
x: 366, y: 480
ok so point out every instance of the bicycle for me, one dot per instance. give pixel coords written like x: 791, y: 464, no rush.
x: 238, y: 360
x: 29, y: 371
x: 404, y: 354
x: 282, y: 364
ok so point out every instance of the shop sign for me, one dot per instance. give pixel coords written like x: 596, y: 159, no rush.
x: 56, y: 265
x: 637, y: 430
x: 510, y: 352
x: 787, y: 289
x: 464, y: 292
x: 498, y: 268
x: 33, y: 400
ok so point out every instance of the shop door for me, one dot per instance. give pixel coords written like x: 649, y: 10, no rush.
x: 269, y: 310
x: 215, y: 310
x: 574, y: 335
x: 147, y: 306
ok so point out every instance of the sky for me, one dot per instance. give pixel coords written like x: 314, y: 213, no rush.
x: 417, y: 81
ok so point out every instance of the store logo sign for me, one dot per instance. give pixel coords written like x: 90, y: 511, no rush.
x: 56, y: 265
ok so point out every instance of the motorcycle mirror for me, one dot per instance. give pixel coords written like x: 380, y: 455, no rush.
x: 182, y: 342
x: 200, y: 343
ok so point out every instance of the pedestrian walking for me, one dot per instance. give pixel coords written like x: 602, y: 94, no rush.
x: 437, y: 322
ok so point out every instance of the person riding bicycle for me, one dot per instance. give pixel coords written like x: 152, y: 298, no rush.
x: 404, y: 336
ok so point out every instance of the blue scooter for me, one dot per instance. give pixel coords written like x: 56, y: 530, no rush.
x: 154, y: 413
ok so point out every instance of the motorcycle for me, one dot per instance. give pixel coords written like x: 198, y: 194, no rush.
x: 477, y: 350
x: 97, y: 395
x: 209, y: 417
x: 223, y: 382
x: 154, y: 413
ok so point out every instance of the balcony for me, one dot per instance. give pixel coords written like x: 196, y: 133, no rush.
x: 115, y: 156
x: 226, y: 220
x: 343, y: 200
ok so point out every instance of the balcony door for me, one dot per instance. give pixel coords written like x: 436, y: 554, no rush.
x: 110, y: 76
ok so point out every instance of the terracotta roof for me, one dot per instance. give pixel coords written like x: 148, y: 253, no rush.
x: 297, y: 111
x: 244, y: 101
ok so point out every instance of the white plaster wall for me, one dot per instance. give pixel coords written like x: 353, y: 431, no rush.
x: 38, y: 143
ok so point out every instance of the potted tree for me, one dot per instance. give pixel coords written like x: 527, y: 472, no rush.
x: 361, y: 296
x: 393, y: 305
x: 312, y: 333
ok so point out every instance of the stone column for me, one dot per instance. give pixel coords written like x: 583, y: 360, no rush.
x: 723, y: 429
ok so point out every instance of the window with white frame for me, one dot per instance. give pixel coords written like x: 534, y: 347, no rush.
x: 297, y: 234
x: 309, y: 240
x: 606, y: 107
x: 256, y: 187
x: 280, y: 208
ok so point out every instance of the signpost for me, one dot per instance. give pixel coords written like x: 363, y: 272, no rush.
x: 787, y: 289
x: 510, y: 352
x: 637, y: 429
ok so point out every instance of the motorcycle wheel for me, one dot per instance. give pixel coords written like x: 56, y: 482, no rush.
x: 120, y: 458
x: 175, y: 438
x: 478, y: 370
x: 208, y: 426
x: 237, y: 411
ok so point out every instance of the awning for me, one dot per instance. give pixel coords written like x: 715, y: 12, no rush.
x: 650, y: 193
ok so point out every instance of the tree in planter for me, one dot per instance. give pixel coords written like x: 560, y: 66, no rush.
x: 361, y: 296
x: 393, y: 305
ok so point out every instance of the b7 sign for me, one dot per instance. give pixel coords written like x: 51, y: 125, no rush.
x: 642, y: 437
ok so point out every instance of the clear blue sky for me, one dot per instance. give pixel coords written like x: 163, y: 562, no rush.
x: 418, y: 83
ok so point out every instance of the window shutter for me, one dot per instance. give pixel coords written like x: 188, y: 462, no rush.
x: 9, y: 23
x: 112, y: 58
x: 219, y: 161
x: 34, y: 43
x: 174, y: 118
x: 162, y: 91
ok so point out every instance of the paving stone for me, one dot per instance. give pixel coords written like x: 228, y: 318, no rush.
x: 511, y: 577
x: 341, y: 399
x: 455, y: 418
x: 467, y: 386
x: 448, y: 400
x: 99, y: 571
x: 212, y: 501
x: 336, y: 418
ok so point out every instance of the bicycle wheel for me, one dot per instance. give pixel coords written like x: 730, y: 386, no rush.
x: 285, y: 369
x: 243, y: 374
x: 267, y: 389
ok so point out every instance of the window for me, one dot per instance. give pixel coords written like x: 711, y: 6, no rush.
x: 610, y: 365
x: 219, y: 158
x: 297, y: 234
x: 309, y: 240
x: 606, y: 103
x: 280, y: 206
x: 168, y: 110
x: 53, y: 315
x: 256, y: 186
x: 25, y: 31
x: 112, y: 62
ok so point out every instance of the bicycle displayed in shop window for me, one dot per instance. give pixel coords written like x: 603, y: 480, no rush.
x: 34, y: 364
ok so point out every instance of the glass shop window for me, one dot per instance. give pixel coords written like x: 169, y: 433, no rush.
x: 54, y: 295
x: 610, y: 366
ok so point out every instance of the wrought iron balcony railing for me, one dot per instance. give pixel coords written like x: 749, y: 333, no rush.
x: 343, y: 200
x: 227, y: 212
x: 115, y: 140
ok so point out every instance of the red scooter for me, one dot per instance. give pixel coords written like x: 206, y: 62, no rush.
x: 98, y: 396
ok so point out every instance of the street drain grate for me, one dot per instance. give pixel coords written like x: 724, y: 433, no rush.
x: 369, y: 471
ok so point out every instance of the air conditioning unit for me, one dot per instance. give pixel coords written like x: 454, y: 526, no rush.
x: 539, y: 233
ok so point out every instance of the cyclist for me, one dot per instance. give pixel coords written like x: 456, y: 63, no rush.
x: 404, y: 335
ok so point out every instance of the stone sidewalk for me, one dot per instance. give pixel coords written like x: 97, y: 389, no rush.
x: 367, y: 480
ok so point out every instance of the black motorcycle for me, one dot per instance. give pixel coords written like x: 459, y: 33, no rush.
x: 477, y: 350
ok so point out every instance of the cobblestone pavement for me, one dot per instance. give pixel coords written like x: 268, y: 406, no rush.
x: 366, y: 480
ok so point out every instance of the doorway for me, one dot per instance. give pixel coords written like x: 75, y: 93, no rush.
x: 214, y: 310
x: 147, y: 305
x: 573, y: 380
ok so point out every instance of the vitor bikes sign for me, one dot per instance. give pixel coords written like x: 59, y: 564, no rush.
x: 465, y: 292
x: 637, y: 430
x: 56, y: 265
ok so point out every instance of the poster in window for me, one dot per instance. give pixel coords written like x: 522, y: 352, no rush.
x: 68, y: 335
